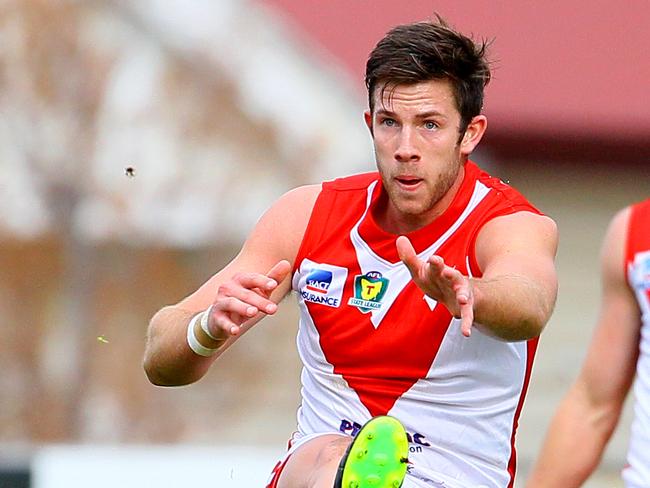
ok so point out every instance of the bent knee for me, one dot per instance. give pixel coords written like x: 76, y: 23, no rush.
x: 333, y: 450
x: 315, y: 460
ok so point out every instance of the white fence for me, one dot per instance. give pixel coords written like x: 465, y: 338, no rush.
x: 146, y: 466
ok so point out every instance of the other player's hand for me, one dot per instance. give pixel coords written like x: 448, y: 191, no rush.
x: 440, y: 282
x: 243, y: 297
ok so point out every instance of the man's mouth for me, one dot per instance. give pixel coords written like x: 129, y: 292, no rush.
x: 408, y: 181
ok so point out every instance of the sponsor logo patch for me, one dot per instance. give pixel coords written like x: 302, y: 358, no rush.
x: 322, y: 283
x: 416, y: 440
x: 369, y: 289
x: 319, y: 281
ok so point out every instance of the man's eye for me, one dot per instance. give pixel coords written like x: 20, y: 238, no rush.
x: 388, y: 122
x: 430, y: 125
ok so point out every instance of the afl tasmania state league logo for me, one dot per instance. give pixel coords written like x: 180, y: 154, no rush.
x: 369, y: 289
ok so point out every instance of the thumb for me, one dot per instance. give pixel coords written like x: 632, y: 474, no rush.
x: 407, y: 254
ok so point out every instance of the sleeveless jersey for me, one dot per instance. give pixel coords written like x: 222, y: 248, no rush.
x: 637, y: 264
x: 372, y: 343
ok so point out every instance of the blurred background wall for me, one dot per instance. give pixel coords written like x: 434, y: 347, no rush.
x: 141, y: 140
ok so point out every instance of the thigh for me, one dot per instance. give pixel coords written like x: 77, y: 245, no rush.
x: 314, y: 462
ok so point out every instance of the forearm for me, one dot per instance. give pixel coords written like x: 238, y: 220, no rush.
x: 512, y: 307
x: 168, y: 359
x: 574, y: 444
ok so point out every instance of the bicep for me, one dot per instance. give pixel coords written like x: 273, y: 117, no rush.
x: 275, y: 237
x: 521, y: 244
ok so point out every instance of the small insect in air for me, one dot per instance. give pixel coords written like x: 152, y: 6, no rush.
x: 129, y: 171
x: 102, y: 339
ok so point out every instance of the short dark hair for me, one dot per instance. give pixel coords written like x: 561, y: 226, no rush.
x: 423, y: 51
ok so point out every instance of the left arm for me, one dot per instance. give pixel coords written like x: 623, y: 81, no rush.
x: 514, y: 298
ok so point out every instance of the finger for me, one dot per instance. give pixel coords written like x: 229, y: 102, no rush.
x: 437, y: 263
x: 407, y: 254
x: 448, y: 271
x: 275, y: 276
x: 256, y: 300
x: 233, y: 305
x: 466, y: 318
x: 255, y: 280
x: 280, y: 271
x: 223, y: 325
x: 465, y: 301
x: 436, y: 269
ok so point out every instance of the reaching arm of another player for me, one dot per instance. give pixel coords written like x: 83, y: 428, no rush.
x: 514, y: 298
x: 238, y: 296
x: 591, y: 409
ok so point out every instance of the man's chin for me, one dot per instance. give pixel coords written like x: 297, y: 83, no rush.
x: 410, y: 210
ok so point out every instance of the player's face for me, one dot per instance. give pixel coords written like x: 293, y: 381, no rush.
x: 419, y: 151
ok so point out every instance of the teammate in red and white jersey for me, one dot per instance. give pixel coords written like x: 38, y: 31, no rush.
x: 620, y: 347
x: 422, y: 289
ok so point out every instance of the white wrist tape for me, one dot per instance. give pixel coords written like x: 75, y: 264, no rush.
x: 205, y: 315
x: 193, y: 342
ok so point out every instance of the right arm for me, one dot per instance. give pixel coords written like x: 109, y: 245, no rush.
x: 238, y: 296
x: 590, y: 411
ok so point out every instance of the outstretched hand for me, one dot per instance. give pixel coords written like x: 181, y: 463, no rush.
x: 440, y: 282
x: 243, y: 297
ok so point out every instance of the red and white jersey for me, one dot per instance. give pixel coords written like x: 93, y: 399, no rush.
x: 637, y: 264
x: 372, y: 343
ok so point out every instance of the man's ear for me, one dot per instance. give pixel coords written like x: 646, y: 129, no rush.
x: 368, y: 118
x: 473, y: 134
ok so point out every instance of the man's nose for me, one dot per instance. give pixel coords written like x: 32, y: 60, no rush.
x: 407, y: 150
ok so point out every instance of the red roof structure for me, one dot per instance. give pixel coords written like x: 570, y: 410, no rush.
x: 567, y: 73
